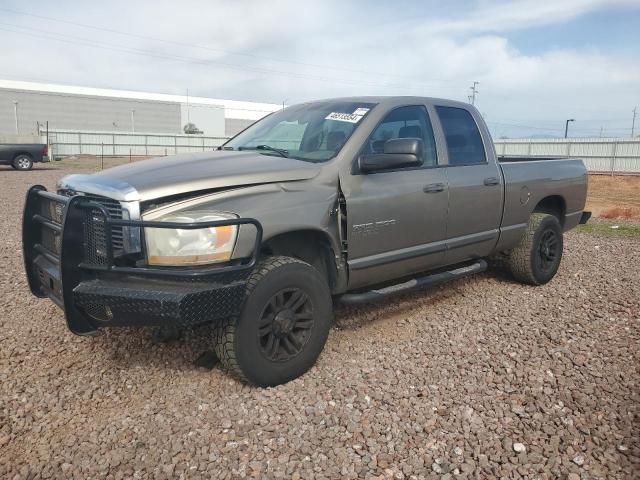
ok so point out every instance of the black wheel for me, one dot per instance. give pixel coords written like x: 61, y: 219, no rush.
x: 22, y: 162
x: 536, y: 259
x: 282, y: 327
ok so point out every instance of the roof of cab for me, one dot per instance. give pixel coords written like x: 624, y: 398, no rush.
x: 394, y: 100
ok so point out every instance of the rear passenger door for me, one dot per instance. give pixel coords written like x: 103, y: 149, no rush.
x: 475, y: 187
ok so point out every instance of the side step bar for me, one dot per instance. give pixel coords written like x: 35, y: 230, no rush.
x: 414, y: 283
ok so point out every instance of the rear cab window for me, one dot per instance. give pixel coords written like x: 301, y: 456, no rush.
x: 464, y: 143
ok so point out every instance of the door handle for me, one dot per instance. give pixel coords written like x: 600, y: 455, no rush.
x: 433, y: 188
x: 490, y: 181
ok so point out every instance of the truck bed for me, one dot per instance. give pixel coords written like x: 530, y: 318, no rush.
x: 527, y: 181
x: 511, y: 159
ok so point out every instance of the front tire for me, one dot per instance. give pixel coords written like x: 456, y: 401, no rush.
x: 282, y: 327
x: 536, y: 259
x: 22, y: 162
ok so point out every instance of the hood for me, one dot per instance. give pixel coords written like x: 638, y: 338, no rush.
x: 178, y: 174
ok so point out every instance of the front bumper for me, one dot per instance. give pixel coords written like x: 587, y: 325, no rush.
x: 69, y: 258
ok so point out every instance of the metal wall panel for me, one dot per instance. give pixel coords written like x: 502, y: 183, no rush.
x: 64, y: 111
x: 232, y: 126
x: 618, y: 155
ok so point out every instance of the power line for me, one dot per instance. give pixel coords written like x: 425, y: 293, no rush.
x: 50, y: 35
x: 118, y: 48
x: 553, y: 129
x: 218, y: 50
x: 122, y: 49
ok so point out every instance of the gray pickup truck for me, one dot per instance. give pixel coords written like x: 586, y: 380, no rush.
x: 345, y: 200
x: 22, y: 156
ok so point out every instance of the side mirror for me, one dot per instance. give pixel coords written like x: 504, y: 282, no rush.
x: 398, y: 153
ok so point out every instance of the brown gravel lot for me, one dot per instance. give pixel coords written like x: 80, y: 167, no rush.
x: 480, y: 378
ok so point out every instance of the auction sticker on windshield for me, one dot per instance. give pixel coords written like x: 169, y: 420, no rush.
x: 344, y: 117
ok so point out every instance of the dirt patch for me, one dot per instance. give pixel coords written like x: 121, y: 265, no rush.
x: 615, y: 197
x: 618, y: 212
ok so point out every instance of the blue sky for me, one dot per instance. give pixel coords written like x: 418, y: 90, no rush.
x: 538, y: 63
x: 616, y: 31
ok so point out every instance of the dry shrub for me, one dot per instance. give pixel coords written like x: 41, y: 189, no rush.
x: 624, y: 213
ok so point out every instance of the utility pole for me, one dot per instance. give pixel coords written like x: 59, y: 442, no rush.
x: 133, y: 120
x: 474, y: 92
x: 601, y: 130
x: 188, y: 110
x: 15, y: 113
x: 633, y: 122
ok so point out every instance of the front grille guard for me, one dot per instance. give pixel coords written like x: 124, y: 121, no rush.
x: 66, y: 219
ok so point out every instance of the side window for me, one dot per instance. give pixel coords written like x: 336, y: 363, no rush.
x: 464, y: 142
x: 405, y: 122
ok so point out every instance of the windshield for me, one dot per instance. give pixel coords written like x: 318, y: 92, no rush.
x: 313, y: 132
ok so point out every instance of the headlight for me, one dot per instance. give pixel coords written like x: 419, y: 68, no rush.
x: 169, y: 246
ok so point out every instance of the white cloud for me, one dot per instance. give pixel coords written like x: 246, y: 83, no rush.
x: 366, y: 49
x: 514, y: 15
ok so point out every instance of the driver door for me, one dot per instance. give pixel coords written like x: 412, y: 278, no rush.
x: 396, y: 219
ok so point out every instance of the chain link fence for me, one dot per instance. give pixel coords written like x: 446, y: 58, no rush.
x: 64, y: 143
x: 601, y: 155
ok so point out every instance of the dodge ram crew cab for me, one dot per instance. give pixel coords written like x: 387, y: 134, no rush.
x: 344, y: 200
x: 22, y: 156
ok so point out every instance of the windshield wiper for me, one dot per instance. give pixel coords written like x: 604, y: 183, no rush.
x: 280, y: 151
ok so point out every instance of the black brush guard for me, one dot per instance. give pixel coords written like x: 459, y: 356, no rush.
x: 69, y: 257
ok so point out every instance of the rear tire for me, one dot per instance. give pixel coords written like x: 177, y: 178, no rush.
x: 283, y: 324
x: 536, y: 259
x: 22, y: 162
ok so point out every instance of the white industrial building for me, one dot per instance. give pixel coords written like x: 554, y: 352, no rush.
x: 26, y: 105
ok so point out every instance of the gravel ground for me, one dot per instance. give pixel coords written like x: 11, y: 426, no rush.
x: 480, y: 378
